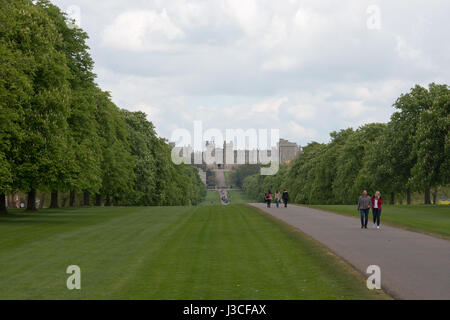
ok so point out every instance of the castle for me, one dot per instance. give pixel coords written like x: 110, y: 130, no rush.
x: 226, y: 157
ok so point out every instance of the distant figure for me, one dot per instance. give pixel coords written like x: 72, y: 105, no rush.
x: 285, y: 198
x: 268, y: 198
x: 364, y: 204
x: 278, y: 198
x: 377, y: 201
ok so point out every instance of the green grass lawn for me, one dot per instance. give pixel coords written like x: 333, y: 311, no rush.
x: 212, y: 198
x: 238, y: 197
x: 210, y: 252
x: 433, y: 220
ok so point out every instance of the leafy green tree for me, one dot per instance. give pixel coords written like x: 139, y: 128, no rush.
x: 412, y: 107
x: 324, y: 172
x: 301, y: 175
x: 431, y: 167
x: 240, y: 173
x: 40, y: 153
x: 15, y: 89
x: 379, y: 166
x: 141, y: 138
x: 85, y: 172
x: 117, y: 163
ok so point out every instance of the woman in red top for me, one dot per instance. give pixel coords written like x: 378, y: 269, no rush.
x: 377, y: 202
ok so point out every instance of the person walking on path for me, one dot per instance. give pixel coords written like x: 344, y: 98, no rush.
x: 285, y: 198
x: 268, y: 198
x: 377, y: 202
x: 364, y: 204
x: 278, y: 198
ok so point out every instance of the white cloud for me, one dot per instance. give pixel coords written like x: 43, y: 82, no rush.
x: 404, y: 50
x: 307, y: 67
x: 141, y: 30
x: 270, y: 107
x: 302, y: 112
x: 297, y: 132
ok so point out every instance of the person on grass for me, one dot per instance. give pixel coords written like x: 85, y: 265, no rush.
x: 268, y: 197
x: 285, y: 197
x: 278, y: 198
x: 377, y: 202
x: 364, y: 204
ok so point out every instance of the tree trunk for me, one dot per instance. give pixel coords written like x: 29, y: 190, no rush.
x: 54, y: 200
x: 63, y: 201
x: 42, y: 200
x: 108, y: 202
x: 31, y: 201
x: 392, y: 198
x: 408, y: 196
x: 87, y: 198
x: 98, y: 200
x: 72, y: 198
x: 435, y: 196
x: 427, y: 196
x: 3, y: 209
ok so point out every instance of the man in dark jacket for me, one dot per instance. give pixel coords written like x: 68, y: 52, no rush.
x: 364, y: 205
x: 285, y: 198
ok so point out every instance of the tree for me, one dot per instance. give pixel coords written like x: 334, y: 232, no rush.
x: 408, y: 132
x: 83, y: 171
x: 141, y: 138
x: 43, y: 126
x: 325, y: 168
x: 239, y: 174
x: 15, y: 88
x: 433, y: 125
x: 351, y: 178
x: 116, y: 161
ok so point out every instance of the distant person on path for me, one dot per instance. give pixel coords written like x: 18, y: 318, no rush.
x: 278, y: 198
x: 285, y: 198
x: 377, y: 202
x: 364, y: 204
x: 268, y: 198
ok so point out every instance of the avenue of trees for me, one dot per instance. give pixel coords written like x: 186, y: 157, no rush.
x: 409, y: 154
x: 59, y: 132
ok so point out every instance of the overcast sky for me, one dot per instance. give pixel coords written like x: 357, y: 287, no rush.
x: 304, y: 67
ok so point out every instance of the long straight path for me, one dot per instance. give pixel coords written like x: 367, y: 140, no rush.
x: 413, y: 265
x: 220, y: 179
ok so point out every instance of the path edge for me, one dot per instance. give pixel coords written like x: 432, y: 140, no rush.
x: 357, y: 273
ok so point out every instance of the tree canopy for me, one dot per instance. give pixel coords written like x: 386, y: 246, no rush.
x: 59, y: 132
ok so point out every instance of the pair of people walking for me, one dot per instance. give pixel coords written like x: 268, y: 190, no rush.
x: 365, y: 203
x: 279, y: 198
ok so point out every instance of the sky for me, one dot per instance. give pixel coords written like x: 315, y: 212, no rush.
x: 305, y: 67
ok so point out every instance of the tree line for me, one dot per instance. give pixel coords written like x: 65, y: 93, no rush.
x: 409, y: 154
x: 59, y: 132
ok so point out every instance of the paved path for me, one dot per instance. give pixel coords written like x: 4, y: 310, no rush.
x: 220, y: 179
x: 413, y: 265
